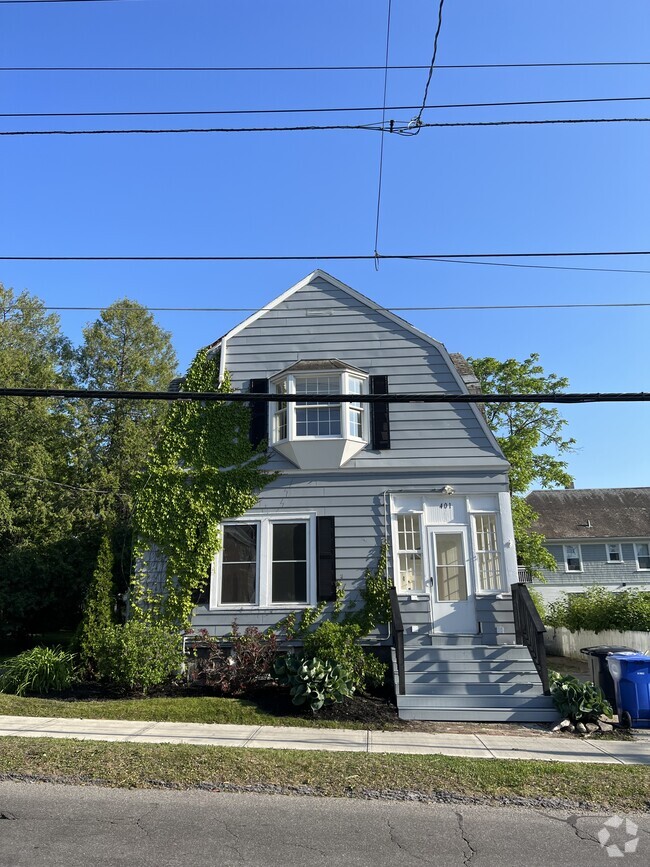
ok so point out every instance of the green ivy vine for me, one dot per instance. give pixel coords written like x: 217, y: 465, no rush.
x: 202, y: 471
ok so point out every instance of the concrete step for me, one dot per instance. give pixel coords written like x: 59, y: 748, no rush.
x: 481, y: 714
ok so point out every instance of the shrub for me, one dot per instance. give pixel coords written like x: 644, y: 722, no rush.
x: 599, y: 609
x: 337, y: 643
x: 313, y: 681
x: 576, y: 700
x: 538, y: 602
x: 238, y: 663
x: 98, y: 610
x: 138, y: 655
x: 41, y: 669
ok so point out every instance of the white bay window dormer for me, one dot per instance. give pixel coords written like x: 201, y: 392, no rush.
x: 314, y: 434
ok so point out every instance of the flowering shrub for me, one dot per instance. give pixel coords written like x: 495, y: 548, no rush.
x: 237, y: 663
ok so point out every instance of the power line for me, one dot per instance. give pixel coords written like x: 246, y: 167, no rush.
x: 606, y: 304
x: 398, y: 127
x: 383, y: 108
x: 60, y: 484
x: 34, y: 2
x: 241, y: 397
x: 367, y: 68
x: 344, y: 257
x: 417, y: 120
x: 381, y: 138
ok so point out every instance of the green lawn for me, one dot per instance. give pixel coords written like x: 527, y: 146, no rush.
x: 235, y: 711
x: 605, y: 787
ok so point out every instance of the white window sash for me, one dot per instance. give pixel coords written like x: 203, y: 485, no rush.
x: 264, y: 575
x: 568, y: 557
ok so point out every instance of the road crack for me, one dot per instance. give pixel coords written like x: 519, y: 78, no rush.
x: 395, y: 839
x: 467, y: 855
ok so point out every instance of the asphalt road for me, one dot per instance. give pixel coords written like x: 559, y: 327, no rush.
x: 43, y: 825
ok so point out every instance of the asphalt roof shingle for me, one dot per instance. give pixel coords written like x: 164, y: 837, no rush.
x: 592, y: 513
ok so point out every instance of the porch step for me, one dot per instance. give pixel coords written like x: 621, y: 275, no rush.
x: 486, y: 678
x: 535, y: 715
x: 467, y: 653
x: 425, y: 686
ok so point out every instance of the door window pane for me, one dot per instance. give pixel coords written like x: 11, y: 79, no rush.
x: 409, y: 554
x: 487, y: 552
x: 451, y: 578
x: 239, y: 564
x: 289, y: 562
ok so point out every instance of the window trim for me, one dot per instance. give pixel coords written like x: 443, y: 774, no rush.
x: 264, y: 572
x: 344, y: 377
x: 617, y: 545
x: 636, y: 556
x: 473, y: 514
x: 568, y: 571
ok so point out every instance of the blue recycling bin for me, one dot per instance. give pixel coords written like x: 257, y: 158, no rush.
x: 631, y: 674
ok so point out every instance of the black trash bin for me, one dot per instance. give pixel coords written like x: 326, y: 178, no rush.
x: 600, y: 673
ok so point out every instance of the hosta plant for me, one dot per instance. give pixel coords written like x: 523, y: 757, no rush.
x: 313, y: 681
x: 41, y: 669
x: 577, y: 700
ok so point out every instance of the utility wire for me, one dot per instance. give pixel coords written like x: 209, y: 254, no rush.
x: 398, y: 127
x: 383, y: 108
x: 381, y: 138
x: 385, y: 309
x: 417, y: 120
x: 360, y: 256
x: 245, y: 397
x: 60, y: 484
x: 590, y: 63
x: 34, y: 2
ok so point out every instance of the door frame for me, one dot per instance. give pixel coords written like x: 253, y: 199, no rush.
x: 432, y: 531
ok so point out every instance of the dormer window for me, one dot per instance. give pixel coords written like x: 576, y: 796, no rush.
x: 294, y: 425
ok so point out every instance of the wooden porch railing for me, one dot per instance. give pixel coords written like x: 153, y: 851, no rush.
x: 530, y: 630
x: 398, y: 637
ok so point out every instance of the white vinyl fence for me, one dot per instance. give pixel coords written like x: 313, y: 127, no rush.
x: 563, y: 642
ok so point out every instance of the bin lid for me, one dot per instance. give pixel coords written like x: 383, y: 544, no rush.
x: 606, y: 649
x: 632, y: 657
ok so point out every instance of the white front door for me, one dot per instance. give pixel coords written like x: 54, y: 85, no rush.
x: 452, y: 592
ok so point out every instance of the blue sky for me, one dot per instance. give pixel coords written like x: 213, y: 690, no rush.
x: 446, y: 190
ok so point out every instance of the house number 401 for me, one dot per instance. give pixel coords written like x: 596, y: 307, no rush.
x: 445, y: 506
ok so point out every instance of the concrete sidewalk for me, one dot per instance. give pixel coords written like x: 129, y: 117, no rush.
x: 544, y: 747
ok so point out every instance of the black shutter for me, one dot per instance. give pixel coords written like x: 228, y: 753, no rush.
x: 379, y: 415
x: 326, y: 557
x: 259, y: 412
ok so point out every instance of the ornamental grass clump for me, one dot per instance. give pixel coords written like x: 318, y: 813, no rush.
x: 39, y: 670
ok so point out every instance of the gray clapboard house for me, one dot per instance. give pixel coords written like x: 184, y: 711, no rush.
x: 598, y: 537
x: 429, y: 479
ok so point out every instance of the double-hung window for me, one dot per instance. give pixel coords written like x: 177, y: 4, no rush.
x: 572, y: 558
x: 642, y: 551
x: 614, y: 553
x: 487, y: 551
x: 269, y: 561
x: 409, y: 553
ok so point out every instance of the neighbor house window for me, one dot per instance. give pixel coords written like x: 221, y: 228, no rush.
x: 572, y: 558
x: 614, y: 554
x: 270, y: 561
x: 487, y: 552
x: 410, y: 573
x: 642, y: 550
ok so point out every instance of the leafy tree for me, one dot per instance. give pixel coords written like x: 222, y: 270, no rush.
x: 41, y: 571
x: 123, y: 350
x: 532, y: 438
